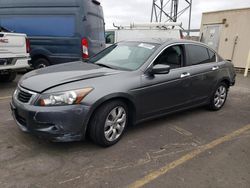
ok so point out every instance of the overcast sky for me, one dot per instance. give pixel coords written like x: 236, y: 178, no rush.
x: 127, y: 11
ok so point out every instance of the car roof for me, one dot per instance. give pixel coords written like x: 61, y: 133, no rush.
x: 163, y: 41
x: 150, y: 40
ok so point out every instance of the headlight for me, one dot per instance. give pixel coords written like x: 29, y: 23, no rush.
x: 63, y: 98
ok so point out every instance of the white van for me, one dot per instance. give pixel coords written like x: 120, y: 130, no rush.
x: 14, y: 54
x: 143, y: 31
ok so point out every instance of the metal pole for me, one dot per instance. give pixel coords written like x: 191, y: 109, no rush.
x: 161, y: 9
x: 247, y: 65
x: 152, y: 13
x: 175, y: 10
x: 156, y: 16
x: 189, y: 21
x: 171, y: 11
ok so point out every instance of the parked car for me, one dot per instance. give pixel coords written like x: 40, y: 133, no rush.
x: 14, y: 54
x: 59, y: 31
x: 128, y: 82
x: 137, y: 31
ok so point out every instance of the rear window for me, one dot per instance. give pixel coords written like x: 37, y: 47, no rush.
x: 49, y: 25
x: 199, y: 55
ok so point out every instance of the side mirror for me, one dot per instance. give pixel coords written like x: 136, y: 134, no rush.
x: 160, y: 69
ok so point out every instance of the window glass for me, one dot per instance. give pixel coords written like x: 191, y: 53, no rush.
x: 172, y: 56
x: 110, y: 37
x: 119, y: 54
x: 212, y: 56
x: 125, y: 55
x: 197, y: 54
x: 47, y: 25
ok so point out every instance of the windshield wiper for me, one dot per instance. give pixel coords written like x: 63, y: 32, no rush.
x: 104, y: 65
x: 112, y: 67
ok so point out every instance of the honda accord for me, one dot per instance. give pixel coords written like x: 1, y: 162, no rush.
x: 127, y: 83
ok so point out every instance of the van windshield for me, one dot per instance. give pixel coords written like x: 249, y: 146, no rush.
x: 125, y: 55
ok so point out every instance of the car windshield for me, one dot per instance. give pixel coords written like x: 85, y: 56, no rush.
x: 125, y: 55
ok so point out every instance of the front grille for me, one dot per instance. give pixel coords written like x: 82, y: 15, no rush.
x: 24, y: 96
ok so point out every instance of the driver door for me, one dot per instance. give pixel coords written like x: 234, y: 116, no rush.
x: 163, y: 93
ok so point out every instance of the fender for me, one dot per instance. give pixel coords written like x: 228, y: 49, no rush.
x: 106, y: 98
x: 224, y: 78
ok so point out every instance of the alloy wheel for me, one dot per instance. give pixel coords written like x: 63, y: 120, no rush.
x: 220, y: 96
x: 115, y: 123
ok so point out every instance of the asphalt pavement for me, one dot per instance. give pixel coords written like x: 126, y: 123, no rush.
x: 195, y: 148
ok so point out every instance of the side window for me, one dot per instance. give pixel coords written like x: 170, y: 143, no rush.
x: 212, y: 56
x: 110, y: 37
x: 172, y: 56
x: 197, y: 54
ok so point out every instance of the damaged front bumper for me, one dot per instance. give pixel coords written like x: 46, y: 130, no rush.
x: 59, y: 124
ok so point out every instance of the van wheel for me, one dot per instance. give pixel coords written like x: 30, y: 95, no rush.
x: 40, y: 63
x: 108, y: 123
x: 8, y: 77
x: 219, y: 97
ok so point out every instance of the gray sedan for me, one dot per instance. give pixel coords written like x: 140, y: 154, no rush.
x: 127, y: 83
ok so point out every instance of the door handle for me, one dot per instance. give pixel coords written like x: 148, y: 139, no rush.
x: 185, y: 74
x: 215, y: 68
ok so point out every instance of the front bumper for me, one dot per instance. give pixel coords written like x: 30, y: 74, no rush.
x: 59, y: 124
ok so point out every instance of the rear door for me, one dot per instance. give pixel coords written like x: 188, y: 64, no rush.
x: 203, y: 69
x: 94, y: 27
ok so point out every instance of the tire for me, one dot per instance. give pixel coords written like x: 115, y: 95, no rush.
x: 108, y: 123
x: 40, y: 63
x: 219, y: 97
x: 9, y: 77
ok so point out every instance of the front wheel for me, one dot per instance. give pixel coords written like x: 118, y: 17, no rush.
x: 108, y: 123
x: 219, y: 97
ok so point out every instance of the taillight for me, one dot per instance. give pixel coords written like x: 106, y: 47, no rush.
x: 27, y: 45
x: 85, y: 46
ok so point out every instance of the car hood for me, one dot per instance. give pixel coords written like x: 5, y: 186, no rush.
x: 43, y: 79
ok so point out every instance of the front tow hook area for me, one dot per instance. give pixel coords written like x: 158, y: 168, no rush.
x: 19, y: 121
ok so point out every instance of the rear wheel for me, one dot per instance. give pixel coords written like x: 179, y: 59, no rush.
x: 40, y: 63
x: 108, y: 123
x: 8, y: 76
x: 219, y: 97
